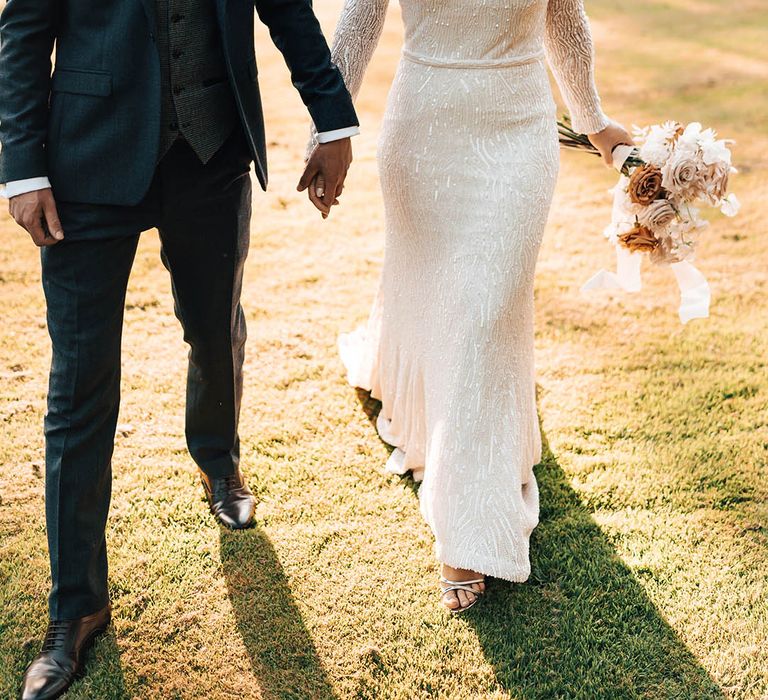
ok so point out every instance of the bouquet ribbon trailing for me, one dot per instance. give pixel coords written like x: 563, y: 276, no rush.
x: 694, y: 289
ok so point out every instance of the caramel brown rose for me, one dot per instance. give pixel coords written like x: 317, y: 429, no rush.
x: 657, y: 214
x: 645, y: 184
x: 639, y: 239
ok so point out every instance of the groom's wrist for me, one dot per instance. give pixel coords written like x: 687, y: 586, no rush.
x: 17, y: 187
x: 337, y: 134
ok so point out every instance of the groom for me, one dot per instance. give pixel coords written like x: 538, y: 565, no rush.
x: 151, y: 118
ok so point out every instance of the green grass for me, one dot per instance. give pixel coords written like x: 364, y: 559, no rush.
x: 649, y: 565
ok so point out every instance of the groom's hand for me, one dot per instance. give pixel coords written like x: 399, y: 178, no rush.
x: 36, y: 212
x: 325, y: 173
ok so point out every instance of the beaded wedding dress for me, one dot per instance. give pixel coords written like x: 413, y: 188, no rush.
x: 468, y: 158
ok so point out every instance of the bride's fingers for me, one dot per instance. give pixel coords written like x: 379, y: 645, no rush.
x: 319, y: 195
x: 319, y: 184
x: 315, y: 199
x: 606, y: 151
x: 606, y: 140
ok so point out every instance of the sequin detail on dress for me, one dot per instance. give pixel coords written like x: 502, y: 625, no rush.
x: 468, y: 158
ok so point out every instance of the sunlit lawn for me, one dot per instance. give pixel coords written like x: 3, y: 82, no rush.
x: 649, y: 566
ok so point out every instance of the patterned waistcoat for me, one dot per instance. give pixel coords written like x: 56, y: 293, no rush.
x: 197, y: 101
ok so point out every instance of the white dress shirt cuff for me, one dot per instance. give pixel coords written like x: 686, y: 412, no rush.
x: 17, y: 187
x: 336, y: 134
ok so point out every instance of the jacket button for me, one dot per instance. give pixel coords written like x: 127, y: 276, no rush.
x: 178, y: 90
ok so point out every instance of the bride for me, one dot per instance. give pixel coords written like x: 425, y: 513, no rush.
x: 468, y: 159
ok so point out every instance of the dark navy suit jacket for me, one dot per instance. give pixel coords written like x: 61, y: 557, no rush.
x: 93, y: 126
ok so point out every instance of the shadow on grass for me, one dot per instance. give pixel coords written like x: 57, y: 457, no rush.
x: 582, y: 627
x: 283, y: 656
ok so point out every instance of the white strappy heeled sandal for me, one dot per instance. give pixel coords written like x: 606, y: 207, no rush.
x: 446, y: 586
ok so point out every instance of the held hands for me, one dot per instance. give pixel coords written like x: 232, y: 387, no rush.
x: 325, y: 173
x: 606, y: 140
x: 36, y: 212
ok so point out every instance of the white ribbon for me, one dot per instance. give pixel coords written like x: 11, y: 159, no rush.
x: 694, y: 289
x: 620, y: 154
x: 626, y: 277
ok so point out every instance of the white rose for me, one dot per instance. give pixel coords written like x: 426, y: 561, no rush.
x: 656, y: 142
x: 713, y: 152
x: 707, y: 136
x: 655, y: 152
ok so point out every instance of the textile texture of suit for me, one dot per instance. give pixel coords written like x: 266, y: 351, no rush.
x: 94, y: 125
x: 130, y: 141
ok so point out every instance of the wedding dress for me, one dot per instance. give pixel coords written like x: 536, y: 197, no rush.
x: 468, y: 158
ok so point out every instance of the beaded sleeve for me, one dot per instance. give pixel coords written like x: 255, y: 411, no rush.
x: 568, y: 43
x: 357, y: 35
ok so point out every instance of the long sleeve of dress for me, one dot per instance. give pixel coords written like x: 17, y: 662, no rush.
x: 568, y: 43
x: 356, y: 37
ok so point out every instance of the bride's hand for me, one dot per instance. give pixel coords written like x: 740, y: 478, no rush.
x: 325, y: 173
x: 606, y: 140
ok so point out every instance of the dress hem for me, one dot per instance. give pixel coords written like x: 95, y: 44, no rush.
x: 486, y: 568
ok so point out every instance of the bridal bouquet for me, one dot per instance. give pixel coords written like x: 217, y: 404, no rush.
x: 673, y: 171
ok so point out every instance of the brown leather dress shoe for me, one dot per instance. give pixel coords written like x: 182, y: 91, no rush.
x: 62, y: 657
x: 230, y: 499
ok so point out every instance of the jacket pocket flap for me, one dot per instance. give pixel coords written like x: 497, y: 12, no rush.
x: 81, y: 82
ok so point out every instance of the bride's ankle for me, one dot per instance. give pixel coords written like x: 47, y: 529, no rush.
x: 454, y: 574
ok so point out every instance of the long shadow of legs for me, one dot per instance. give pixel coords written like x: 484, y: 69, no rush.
x: 283, y: 656
x: 582, y: 627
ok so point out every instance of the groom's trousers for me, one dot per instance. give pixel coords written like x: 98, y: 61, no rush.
x: 202, y: 213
